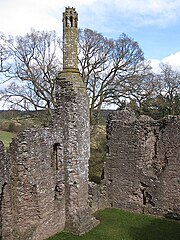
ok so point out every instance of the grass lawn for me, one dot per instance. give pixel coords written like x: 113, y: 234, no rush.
x: 6, y: 137
x: 120, y: 225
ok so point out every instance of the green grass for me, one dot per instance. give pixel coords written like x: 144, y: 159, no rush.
x: 6, y: 137
x: 120, y: 225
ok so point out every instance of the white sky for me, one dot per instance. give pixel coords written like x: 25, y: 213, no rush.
x: 20, y: 15
x: 137, y: 18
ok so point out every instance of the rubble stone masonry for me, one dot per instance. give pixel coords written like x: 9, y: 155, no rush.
x: 142, y: 171
x: 33, y: 204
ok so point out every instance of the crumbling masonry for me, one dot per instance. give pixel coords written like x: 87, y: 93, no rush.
x: 142, y: 170
x: 44, y: 177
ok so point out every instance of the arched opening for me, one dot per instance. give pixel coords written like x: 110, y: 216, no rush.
x: 66, y: 21
x: 71, y: 21
x: 75, y: 22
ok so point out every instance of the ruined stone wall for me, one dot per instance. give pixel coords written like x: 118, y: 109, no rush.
x: 143, y: 163
x: 44, y: 183
x: 74, y: 114
x: 2, y: 182
x: 34, y: 201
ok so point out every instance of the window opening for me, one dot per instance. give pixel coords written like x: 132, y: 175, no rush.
x: 55, y: 153
x: 71, y: 21
x: 66, y: 21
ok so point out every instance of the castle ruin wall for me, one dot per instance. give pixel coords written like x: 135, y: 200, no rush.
x: 142, y: 170
x: 33, y: 204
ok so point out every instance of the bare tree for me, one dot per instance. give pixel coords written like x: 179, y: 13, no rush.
x: 105, y: 64
x: 94, y: 61
x: 136, y: 88
x: 169, y: 88
x: 35, y: 64
x: 4, y: 54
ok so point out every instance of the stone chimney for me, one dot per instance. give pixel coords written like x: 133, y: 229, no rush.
x: 70, y: 39
x: 72, y: 113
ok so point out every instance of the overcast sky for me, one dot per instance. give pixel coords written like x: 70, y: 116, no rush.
x: 154, y: 24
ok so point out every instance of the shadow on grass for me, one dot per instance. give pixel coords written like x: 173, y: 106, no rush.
x: 157, y: 230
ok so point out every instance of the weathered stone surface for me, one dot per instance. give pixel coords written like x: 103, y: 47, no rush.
x: 35, y: 187
x: 98, y: 196
x: 1, y: 182
x: 142, y: 168
x: 73, y: 112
